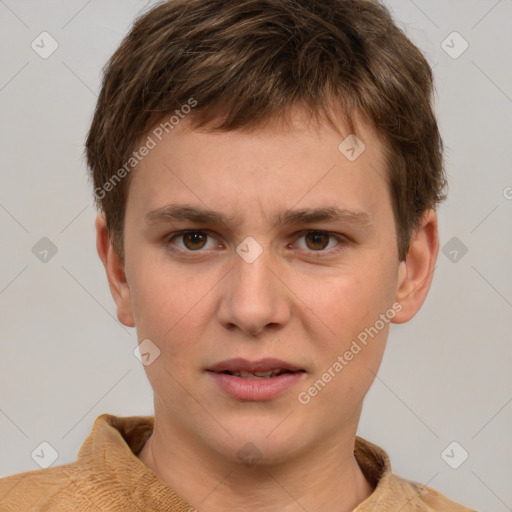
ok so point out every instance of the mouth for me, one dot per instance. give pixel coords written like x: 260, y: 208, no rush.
x: 260, y: 380
x: 260, y: 369
x: 259, y: 375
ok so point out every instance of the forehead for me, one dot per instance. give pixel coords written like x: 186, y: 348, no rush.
x: 263, y: 171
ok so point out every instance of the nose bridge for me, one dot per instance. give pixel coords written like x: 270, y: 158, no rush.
x: 254, y: 277
x: 253, y: 297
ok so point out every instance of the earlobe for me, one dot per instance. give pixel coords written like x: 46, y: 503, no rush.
x: 116, y: 276
x: 416, y: 272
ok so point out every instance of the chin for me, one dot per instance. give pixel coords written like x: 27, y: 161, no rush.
x: 259, y: 452
x: 261, y: 441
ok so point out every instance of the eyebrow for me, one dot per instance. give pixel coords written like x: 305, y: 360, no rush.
x: 199, y: 215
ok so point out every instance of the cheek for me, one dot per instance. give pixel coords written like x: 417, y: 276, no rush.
x: 154, y: 293
x: 346, y: 303
x: 170, y: 304
x: 357, y: 306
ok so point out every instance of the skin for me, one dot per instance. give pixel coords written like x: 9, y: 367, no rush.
x: 296, y: 302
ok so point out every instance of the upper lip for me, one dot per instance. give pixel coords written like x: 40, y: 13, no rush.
x: 261, y: 365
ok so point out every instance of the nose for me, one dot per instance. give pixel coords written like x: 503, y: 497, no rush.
x: 254, y: 299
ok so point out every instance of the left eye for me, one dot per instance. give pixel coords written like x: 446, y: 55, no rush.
x: 318, y: 240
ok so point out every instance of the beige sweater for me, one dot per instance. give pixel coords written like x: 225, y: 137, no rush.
x: 108, y: 477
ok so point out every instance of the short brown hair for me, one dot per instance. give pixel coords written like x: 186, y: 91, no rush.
x: 245, y: 62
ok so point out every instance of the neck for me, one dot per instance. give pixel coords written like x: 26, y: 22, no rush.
x: 326, y: 478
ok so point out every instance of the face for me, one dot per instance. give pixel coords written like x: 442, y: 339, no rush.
x: 252, y: 252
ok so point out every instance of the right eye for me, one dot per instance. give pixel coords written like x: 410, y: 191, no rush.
x: 191, y: 241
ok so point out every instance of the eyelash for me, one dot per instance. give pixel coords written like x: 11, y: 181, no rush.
x: 340, y: 238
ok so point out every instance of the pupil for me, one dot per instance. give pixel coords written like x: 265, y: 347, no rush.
x: 318, y: 240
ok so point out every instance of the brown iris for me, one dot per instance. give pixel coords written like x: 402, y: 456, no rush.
x: 194, y: 240
x: 317, y: 240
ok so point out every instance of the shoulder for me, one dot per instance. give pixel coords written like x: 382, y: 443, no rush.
x: 106, y: 476
x: 39, y: 490
x: 421, y: 498
x: 75, y: 487
x: 392, y: 492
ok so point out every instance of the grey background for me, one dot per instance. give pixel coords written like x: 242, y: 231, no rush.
x: 65, y: 359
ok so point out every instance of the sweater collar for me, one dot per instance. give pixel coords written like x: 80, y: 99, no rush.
x: 111, y: 449
x: 116, y: 441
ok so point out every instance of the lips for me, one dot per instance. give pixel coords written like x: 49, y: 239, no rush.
x: 263, y: 368
x: 258, y: 375
x: 256, y: 381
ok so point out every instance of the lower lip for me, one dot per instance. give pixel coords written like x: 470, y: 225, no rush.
x: 259, y: 389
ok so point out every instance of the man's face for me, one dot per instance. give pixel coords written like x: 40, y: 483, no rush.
x: 261, y: 283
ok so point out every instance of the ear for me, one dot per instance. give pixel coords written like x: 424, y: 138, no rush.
x: 416, y: 272
x: 114, y: 267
